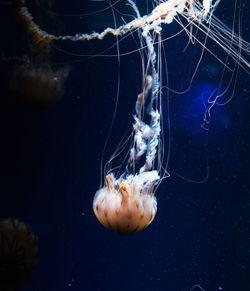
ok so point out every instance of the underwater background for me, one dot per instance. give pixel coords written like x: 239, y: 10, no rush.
x: 50, y: 159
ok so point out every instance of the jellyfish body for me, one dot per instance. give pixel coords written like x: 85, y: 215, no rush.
x: 127, y: 205
x: 38, y: 87
x: 18, y: 254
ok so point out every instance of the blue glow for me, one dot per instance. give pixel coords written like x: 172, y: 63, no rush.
x: 194, y: 104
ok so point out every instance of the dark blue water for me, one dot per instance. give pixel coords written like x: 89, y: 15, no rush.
x: 50, y: 166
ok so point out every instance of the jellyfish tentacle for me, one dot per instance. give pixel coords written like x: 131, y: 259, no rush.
x: 146, y: 136
x: 165, y: 12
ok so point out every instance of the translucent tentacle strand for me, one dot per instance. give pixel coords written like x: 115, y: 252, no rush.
x: 146, y: 136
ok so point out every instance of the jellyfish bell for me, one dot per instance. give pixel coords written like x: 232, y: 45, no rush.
x: 127, y: 205
x: 40, y: 87
x: 18, y: 254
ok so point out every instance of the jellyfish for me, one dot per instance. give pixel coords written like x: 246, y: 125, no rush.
x: 18, y: 254
x: 34, y: 80
x: 126, y: 203
x: 38, y: 86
